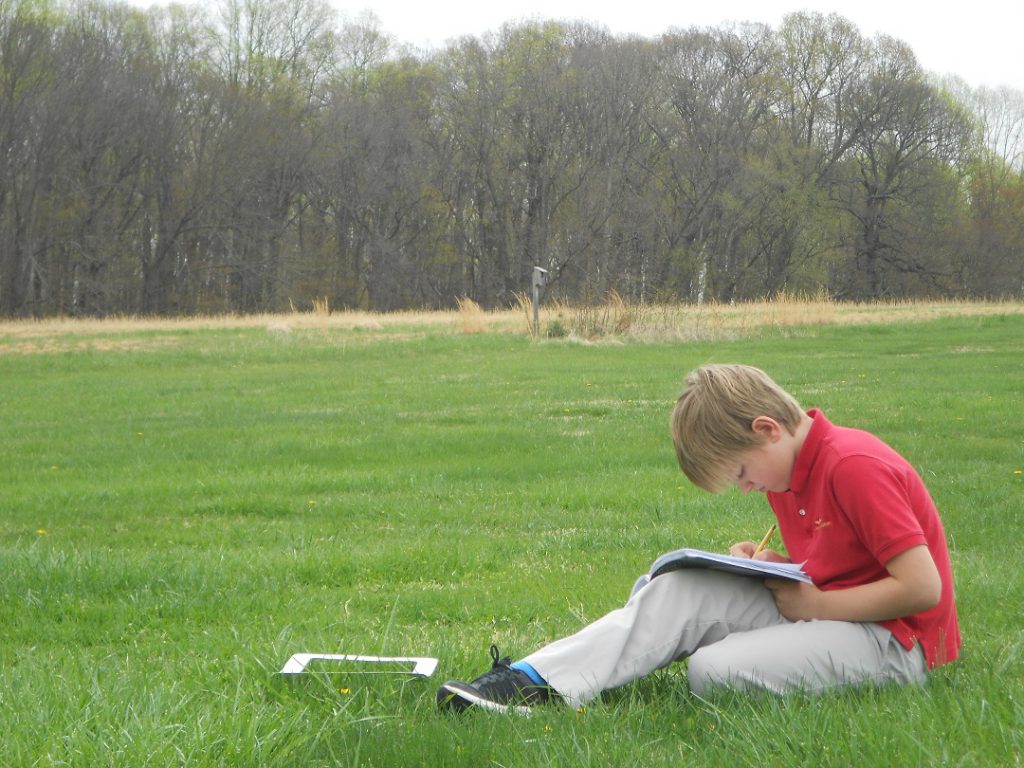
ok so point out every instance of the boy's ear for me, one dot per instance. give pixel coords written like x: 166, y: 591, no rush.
x: 767, y: 428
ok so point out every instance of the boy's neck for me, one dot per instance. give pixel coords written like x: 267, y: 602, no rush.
x: 803, y: 427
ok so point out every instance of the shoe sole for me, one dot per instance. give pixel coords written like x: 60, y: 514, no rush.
x: 458, y: 697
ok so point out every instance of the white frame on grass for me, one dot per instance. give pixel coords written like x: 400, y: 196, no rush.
x: 422, y: 666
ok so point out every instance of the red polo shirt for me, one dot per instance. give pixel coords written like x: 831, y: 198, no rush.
x: 853, y: 505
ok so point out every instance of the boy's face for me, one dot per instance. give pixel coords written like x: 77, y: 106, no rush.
x: 763, y: 469
x: 768, y: 466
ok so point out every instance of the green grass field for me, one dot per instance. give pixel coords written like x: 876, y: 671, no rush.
x: 182, y: 510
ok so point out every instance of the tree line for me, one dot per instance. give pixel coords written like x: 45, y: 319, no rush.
x: 266, y: 154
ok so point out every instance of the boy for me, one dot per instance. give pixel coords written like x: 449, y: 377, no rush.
x: 851, y: 509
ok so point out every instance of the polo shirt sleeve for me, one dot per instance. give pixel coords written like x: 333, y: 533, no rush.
x: 876, y: 498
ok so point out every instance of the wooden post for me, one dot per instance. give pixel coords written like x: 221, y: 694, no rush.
x: 540, y: 278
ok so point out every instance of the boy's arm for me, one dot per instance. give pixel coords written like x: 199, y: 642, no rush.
x: 913, y: 585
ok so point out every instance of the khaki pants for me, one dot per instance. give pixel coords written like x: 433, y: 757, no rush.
x: 733, y: 634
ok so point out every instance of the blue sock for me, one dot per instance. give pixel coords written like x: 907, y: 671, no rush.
x: 529, y: 671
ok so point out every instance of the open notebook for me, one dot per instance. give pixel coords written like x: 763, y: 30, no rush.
x: 744, y: 566
x: 696, y: 558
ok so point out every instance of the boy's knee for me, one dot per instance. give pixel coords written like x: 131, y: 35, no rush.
x: 707, y: 669
x: 721, y: 666
x: 717, y: 666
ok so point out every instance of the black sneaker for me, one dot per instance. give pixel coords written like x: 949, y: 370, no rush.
x: 502, y: 689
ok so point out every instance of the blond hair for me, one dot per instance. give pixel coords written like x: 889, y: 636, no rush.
x: 712, y: 423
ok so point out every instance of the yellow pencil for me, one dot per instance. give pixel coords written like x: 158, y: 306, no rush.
x: 764, y: 541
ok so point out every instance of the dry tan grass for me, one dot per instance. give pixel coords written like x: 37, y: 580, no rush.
x: 287, y: 321
x: 75, y: 343
x: 321, y: 307
x: 472, y: 316
x: 614, y: 320
x: 618, y: 320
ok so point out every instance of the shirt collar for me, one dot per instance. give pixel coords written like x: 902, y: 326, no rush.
x: 809, y: 450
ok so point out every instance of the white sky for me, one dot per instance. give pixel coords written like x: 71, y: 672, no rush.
x: 980, y: 41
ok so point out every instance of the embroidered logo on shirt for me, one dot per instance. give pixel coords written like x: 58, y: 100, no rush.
x: 820, y: 523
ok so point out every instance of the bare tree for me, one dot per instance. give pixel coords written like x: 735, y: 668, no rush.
x: 28, y: 152
x: 906, y: 134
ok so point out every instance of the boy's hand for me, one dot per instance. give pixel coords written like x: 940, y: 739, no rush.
x: 796, y: 601
x: 746, y: 549
x: 743, y: 549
